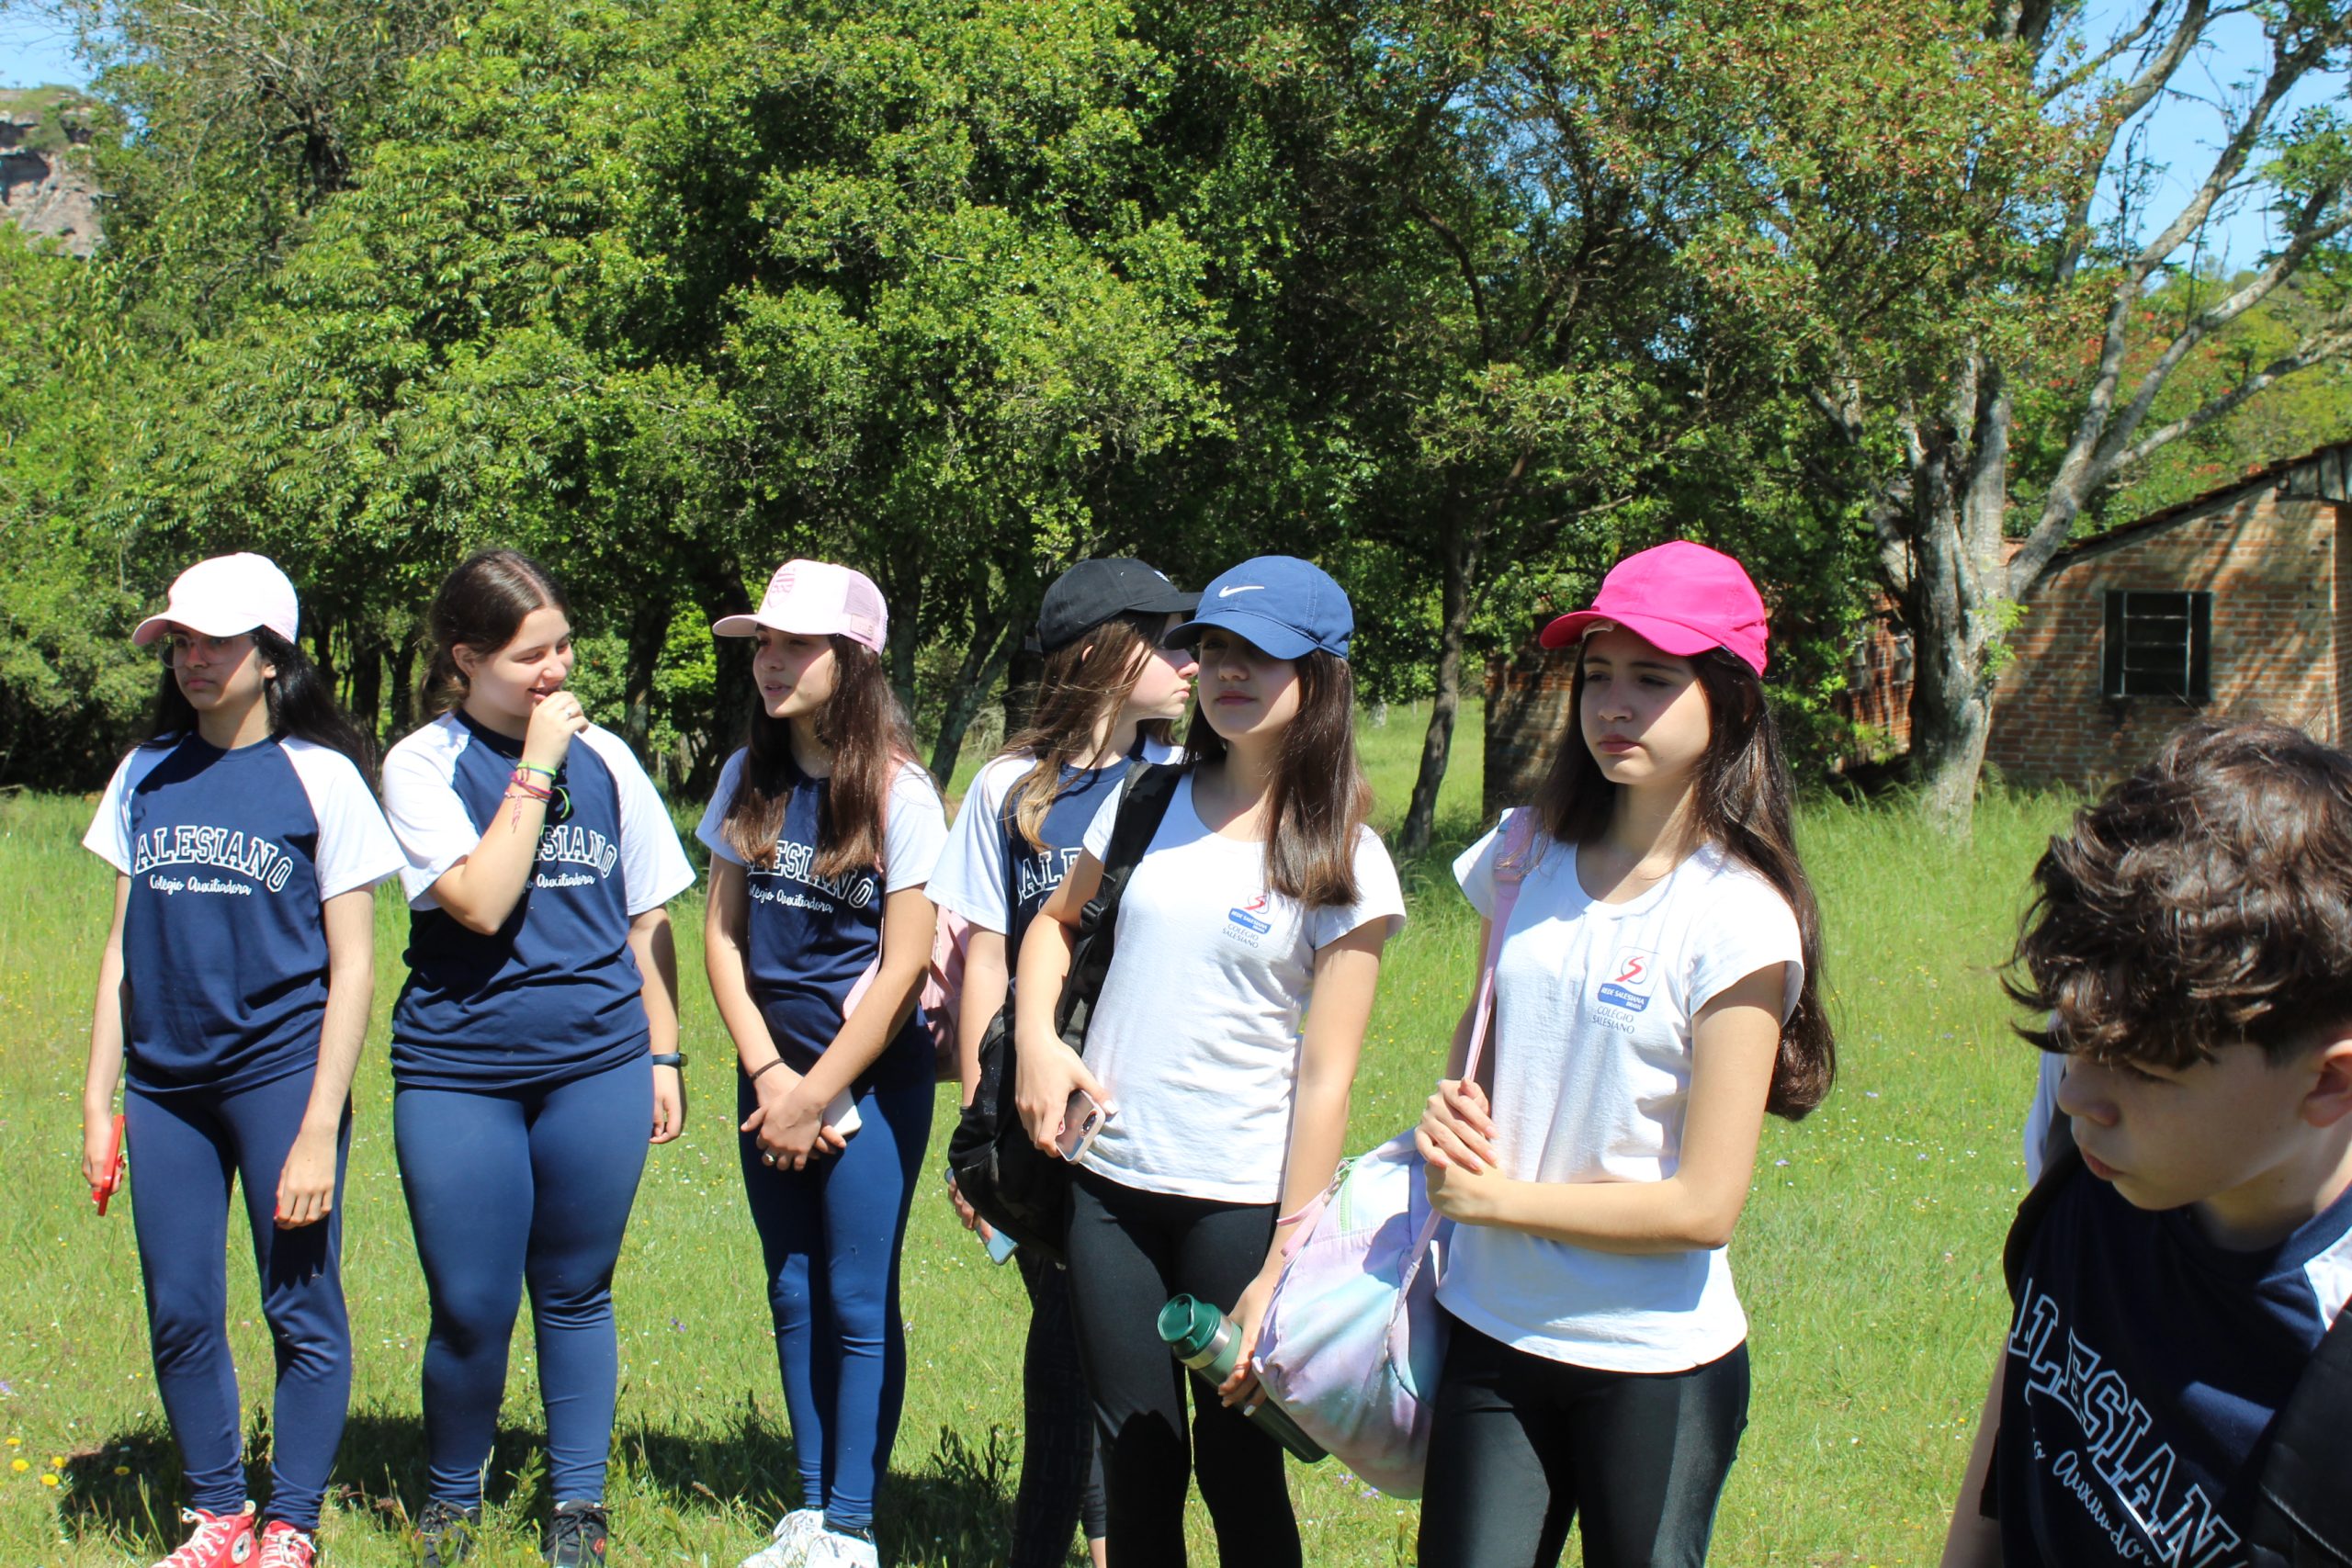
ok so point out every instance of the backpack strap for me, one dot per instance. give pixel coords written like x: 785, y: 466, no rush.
x: 1143, y: 796
x: 2064, y: 1162
x: 1510, y: 870
x: 2303, y: 1514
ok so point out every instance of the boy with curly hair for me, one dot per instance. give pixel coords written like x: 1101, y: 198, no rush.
x: 2189, y: 950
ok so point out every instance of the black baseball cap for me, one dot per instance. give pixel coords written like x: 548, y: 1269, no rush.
x: 1093, y: 591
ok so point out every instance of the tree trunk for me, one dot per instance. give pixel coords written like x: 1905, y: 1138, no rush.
x: 366, y: 683
x: 649, y: 627
x: 1957, y: 601
x: 405, y: 697
x: 995, y: 635
x: 1460, y: 566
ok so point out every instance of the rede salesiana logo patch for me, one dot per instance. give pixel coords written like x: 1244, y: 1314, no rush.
x: 1632, y: 978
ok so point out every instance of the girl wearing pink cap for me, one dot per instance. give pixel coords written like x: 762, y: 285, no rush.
x: 1655, y: 998
x: 235, y: 985
x: 822, y: 834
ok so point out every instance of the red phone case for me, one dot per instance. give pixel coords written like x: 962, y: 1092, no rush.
x: 101, y: 1192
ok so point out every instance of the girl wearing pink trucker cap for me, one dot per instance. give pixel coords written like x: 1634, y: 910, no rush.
x: 1656, y: 996
x: 822, y: 834
x: 234, y: 986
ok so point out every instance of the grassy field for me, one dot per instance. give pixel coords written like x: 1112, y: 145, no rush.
x: 1867, y: 1260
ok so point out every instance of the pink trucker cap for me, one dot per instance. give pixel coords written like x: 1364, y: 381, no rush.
x: 224, y: 596
x: 1680, y: 597
x: 815, y: 598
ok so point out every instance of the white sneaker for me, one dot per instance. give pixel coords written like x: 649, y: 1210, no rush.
x: 788, y: 1543
x: 833, y: 1550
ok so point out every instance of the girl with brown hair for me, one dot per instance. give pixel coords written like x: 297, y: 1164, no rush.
x: 1261, y: 888
x: 1109, y: 692
x: 822, y: 834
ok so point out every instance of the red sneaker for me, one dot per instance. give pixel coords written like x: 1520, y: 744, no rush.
x: 283, y: 1546
x: 219, y: 1541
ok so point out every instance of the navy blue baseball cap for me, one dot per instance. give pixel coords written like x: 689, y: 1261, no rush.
x: 1279, y: 603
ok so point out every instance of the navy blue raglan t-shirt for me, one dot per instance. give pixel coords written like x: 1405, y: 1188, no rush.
x: 2143, y: 1366
x: 230, y: 856
x: 991, y: 874
x: 809, y: 938
x: 555, y: 994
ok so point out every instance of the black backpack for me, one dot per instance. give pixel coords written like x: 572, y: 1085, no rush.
x: 1008, y: 1181
x: 2302, y: 1512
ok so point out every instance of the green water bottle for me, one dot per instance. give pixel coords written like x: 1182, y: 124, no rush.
x: 1207, y: 1341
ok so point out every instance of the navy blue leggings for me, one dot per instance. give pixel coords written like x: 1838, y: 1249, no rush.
x: 830, y: 1237
x: 508, y: 1189
x: 185, y: 1151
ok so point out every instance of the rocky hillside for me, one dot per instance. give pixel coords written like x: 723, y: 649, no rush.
x: 46, y: 186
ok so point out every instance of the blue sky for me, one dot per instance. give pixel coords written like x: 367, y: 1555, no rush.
x: 2180, y: 131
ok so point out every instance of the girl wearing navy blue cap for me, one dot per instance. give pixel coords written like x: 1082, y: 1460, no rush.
x: 535, y: 1046
x: 822, y: 833
x: 1110, y: 690
x: 236, y: 982
x: 1261, y: 891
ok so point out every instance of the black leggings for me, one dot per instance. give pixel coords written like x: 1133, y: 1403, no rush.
x: 1520, y: 1445
x: 1129, y: 1251
x: 1061, y: 1475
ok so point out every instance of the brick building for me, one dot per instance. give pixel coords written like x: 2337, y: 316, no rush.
x: 2234, y: 603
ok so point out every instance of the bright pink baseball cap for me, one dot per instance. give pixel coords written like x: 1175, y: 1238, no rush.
x: 1682, y: 598
x: 816, y: 598
x: 226, y: 596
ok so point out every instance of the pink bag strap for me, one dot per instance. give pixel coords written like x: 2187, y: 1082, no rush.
x: 1510, y: 870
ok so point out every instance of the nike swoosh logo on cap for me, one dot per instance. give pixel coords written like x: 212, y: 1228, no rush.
x: 1245, y: 587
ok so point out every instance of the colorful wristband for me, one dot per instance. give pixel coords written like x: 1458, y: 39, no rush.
x: 674, y: 1058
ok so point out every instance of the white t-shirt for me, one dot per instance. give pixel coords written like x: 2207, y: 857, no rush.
x: 1591, y: 1047
x: 1197, y: 1034
x: 973, y: 876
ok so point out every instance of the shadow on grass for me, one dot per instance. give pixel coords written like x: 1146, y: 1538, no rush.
x: 953, y: 1506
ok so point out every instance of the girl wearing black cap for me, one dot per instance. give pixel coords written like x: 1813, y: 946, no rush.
x: 1260, y: 886
x: 1110, y: 691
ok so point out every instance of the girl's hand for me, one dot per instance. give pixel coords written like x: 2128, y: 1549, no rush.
x: 784, y: 1122
x: 1456, y: 1129
x: 967, y: 1214
x: 668, y: 1104
x: 1047, y: 1075
x: 1466, y: 1197
x: 306, y: 1186
x: 1241, y: 1387
x: 554, y: 722
x: 98, y: 1133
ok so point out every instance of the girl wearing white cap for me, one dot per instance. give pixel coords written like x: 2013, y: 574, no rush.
x: 535, y: 1048
x: 235, y: 985
x: 1110, y: 690
x: 822, y: 834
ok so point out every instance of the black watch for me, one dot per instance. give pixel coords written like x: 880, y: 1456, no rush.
x: 670, y: 1059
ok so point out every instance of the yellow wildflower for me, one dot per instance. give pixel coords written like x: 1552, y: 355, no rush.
x: 49, y: 1479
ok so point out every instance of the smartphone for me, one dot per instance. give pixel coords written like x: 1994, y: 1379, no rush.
x: 1001, y: 1245
x: 842, y: 1114
x: 1082, y: 1118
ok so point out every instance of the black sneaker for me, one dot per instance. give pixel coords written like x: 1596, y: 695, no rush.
x: 447, y: 1533
x: 576, y: 1536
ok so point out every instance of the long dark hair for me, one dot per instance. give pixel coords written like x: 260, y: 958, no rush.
x: 480, y: 605
x: 1740, y: 798
x: 301, y: 704
x: 1083, y: 687
x: 1320, y: 796
x: 866, y: 727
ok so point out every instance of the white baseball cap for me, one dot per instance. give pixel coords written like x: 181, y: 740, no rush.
x: 815, y: 598
x: 224, y: 596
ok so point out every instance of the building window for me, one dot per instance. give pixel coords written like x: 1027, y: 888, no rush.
x: 2158, y: 645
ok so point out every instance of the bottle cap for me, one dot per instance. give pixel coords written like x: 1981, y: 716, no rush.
x: 1188, y: 1325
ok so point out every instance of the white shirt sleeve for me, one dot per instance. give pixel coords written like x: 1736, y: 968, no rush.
x: 1096, y: 841
x: 970, y: 876
x: 1474, y: 868
x: 426, y: 816
x: 1748, y: 926
x: 355, y: 846
x: 110, y: 834
x: 915, y: 832
x: 711, y: 831
x: 1379, y: 897
x: 654, y: 867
